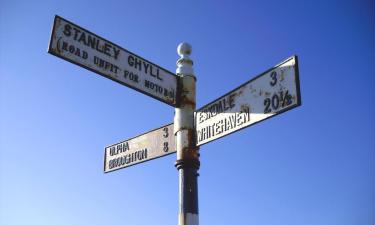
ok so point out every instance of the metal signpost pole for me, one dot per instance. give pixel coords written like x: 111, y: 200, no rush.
x: 187, y: 162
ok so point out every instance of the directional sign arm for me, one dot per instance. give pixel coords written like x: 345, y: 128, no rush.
x: 269, y: 94
x: 88, y: 50
x: 151, y: 145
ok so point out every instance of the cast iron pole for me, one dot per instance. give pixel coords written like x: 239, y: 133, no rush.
x: 187, y: 162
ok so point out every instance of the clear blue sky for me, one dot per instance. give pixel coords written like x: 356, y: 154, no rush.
x: 314, y: 165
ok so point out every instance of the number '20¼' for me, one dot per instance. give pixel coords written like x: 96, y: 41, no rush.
x: 280, y: 99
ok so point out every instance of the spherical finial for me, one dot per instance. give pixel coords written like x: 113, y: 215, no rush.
x: 184, y: 49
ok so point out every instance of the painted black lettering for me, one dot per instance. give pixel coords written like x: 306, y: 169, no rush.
x: 225, y: 104
x: 275, y: 102
x: 138, y: 64
x: 274, y: 79
x: 76, y: 32
x: 152, y: 73
x: 96, y: 60
x: 82, y: 38
x: 233, y: 121
x: 140, y: 155
x: 133, y: 77
x: 219, y: 107
x: 267, y: 104
x: 84, y: 55
x: 239, y: 122
x: 107, y: 49
x: 153, y: 86
x: 126, y: 74
x: 286, y: 98
x: 201, y: 117
x: 231, y: 100
x: 71, y: 49
x: 91, y: 41
x: 146, y: 66
x: 131, y: 60
x: 165, y: 129
x: 97, y: 46
x: 112, y: 151
x: 78, y: 52
x: 125, y: 146
x: 158, y: 75
x: 65, y: 46
x: 166, y: 147
x: 67, y: 30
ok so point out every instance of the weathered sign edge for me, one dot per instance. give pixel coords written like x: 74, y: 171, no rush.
x: 105, y: 161
x: 296, y: 70
x: 50, y: 51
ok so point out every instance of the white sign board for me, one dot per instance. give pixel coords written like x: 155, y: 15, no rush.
x: 153, y: 144
x: 81, y: 47
x: 269, y: 94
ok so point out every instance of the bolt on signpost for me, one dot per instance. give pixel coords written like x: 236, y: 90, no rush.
x: 268, y: 94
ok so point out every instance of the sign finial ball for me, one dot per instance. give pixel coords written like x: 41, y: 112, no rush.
x: 184, y: 49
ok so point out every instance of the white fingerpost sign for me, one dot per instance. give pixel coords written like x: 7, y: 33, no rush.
x: 269, y: 94
x: 86, y: 49
x: 151, y: 145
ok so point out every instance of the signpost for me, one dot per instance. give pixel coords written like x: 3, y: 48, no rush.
x: 269, y: 94
x: 80, y: 46
x: 151, y: 145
